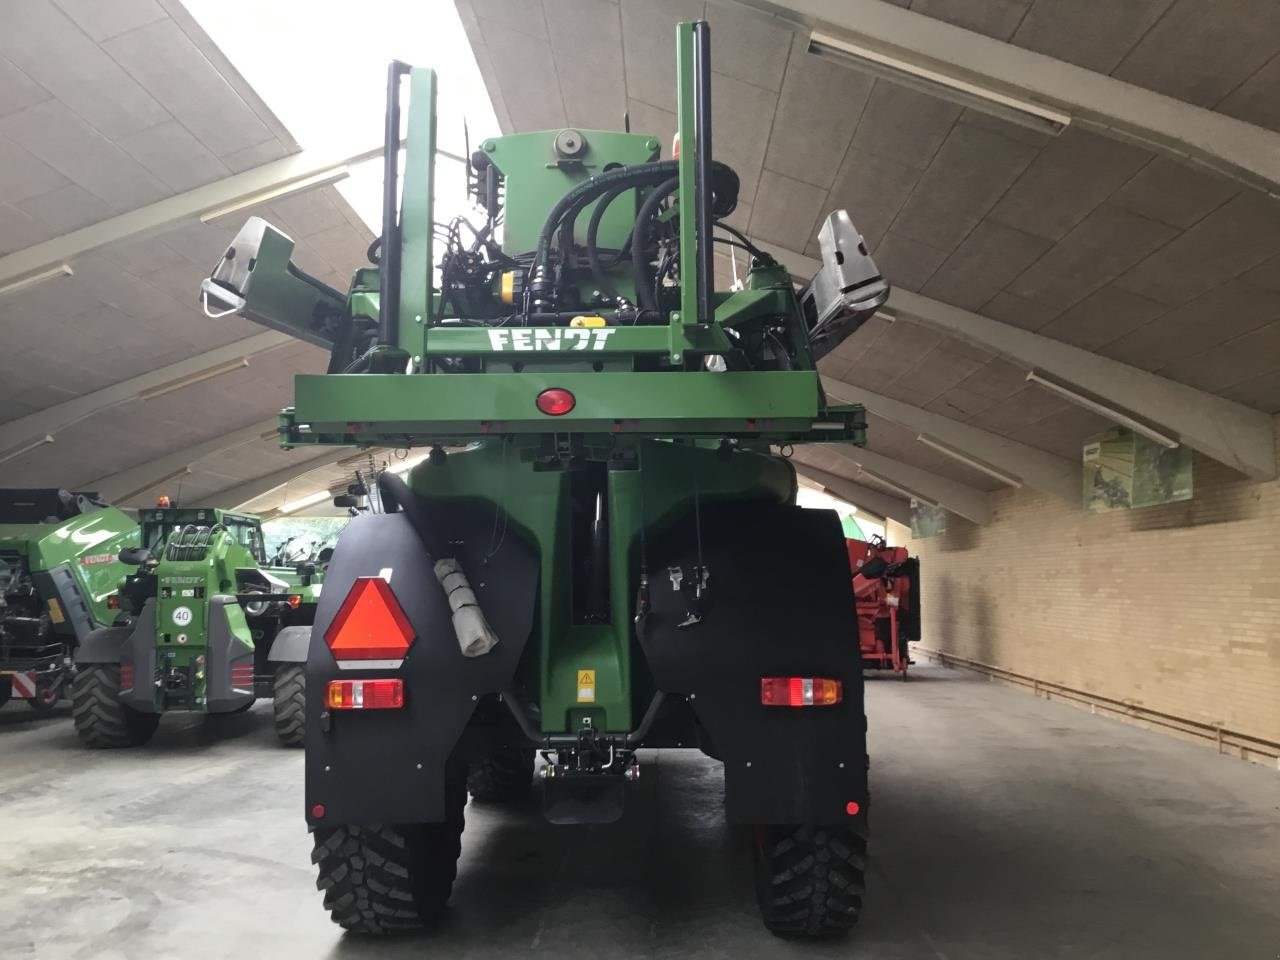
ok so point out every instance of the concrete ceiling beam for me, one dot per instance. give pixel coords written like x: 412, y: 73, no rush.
x: 147, y: 386
x: 875, y: 503
x: 923, y: 485
x: 1231, y: 433
x: 270, y: 181
x: 1017, y: 461
x: 242, y: 493
x: 961, y: 59
x: 126, y: 487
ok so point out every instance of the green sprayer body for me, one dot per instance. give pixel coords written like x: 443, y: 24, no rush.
x: 606, y: 431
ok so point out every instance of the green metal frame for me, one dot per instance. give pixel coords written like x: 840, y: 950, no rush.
x: 650, y: 420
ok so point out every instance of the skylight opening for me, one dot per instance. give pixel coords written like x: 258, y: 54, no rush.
x: 321, y: 67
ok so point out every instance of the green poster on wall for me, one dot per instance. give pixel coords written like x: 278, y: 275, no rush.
x: 927, y: 521
x: 1123, y: 469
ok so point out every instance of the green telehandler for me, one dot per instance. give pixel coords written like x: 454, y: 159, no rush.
x: 58, y: 575
x: 602, y: 551
x: 205, y: 625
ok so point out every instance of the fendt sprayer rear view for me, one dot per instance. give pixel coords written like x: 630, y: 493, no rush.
x: 601, y: 553
x: 203, y: 626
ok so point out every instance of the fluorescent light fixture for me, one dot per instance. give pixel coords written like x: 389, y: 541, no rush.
x: 199, y: 376
x: 969, y: 461
x: 61, y: 270
x: 152, y: 484
x: 896, y: 487
x: 934, y: 82
x: 27, y: 447
x: 309, y: 500
x: 1103, y: 409
x: 318, y: 179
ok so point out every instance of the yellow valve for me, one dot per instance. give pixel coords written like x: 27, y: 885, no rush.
x: 588, y: 321
x: 508, y: 292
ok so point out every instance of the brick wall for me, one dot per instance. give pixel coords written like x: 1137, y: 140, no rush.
x: 1176, y: 608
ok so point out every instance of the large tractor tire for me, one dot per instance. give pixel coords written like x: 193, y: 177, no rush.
x: 505, y: 776
x: 809, y: 880
x: 289, y: 703
x: 381, y: 880
x: 102, y: 721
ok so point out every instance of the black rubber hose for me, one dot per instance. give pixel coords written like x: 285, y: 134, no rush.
x: 636, y: 175
x: 640, y: 239
x: 724, y: 199
x: 593, y: 231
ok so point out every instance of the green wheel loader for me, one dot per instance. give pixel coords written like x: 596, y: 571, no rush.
x: 58, y: 576
x: 602, y: 551
x: 205, y: 626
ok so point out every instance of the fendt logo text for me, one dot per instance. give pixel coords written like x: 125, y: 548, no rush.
x: 539, y: 339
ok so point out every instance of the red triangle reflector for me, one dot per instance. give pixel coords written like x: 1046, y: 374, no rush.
x: 371, y: 625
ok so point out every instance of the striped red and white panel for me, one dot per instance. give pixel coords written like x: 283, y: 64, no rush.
x: 23, y: 685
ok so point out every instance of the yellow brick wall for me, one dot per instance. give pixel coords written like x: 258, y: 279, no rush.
x: 1176, y: 607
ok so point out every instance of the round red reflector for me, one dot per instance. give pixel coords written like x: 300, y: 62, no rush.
x: 555, y: 402
x: 852, y: 808
x: 317, y: 811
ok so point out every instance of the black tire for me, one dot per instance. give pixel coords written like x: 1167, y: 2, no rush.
x: 809, y: 880
x: 505, y: 776
x: 102, y: 721
x: 382, y: 880
x: 289, y: 703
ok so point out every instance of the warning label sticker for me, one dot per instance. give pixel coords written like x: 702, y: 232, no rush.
x: 586, y: 686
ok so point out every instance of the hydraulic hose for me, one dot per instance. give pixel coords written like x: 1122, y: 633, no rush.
x: 724, y: 200
x: 593, y: 231
x: 640, y: 239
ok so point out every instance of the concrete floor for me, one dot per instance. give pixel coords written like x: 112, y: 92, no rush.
x: 1003, y: 827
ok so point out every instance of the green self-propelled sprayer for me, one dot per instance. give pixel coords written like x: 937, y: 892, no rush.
x: 601, y: 553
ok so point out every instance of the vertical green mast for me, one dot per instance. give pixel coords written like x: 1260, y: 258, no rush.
x: 685, y: 85
x: 416, y: 206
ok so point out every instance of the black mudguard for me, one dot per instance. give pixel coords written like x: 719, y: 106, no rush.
x: 290, y: 645
x: 132, y: 644
x: 388, y: 766
x: 778, y: 603
x: 229, y: 662
x: 104, y: 645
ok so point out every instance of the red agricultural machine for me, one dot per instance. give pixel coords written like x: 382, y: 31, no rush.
x: 886, y: 585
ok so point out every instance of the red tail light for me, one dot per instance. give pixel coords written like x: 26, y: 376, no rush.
x: 295, y: 600
x: 556, y: 402
x: 365, y: 695
x: 371, y: 625
x: 113, y: 602
x: 800, y: 692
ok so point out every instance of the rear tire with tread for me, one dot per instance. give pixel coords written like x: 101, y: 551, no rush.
x: 505, y: 776
x: 810, y: 880
x: 289, y: 703
x: 102, y: 720
x: 381, y: 880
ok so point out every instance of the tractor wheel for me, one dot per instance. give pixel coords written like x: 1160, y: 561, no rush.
x: 289, y: 703
x: 809, y: 879
x: 505, y: 776
x: 380, y: 880
x: 102, y: 721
